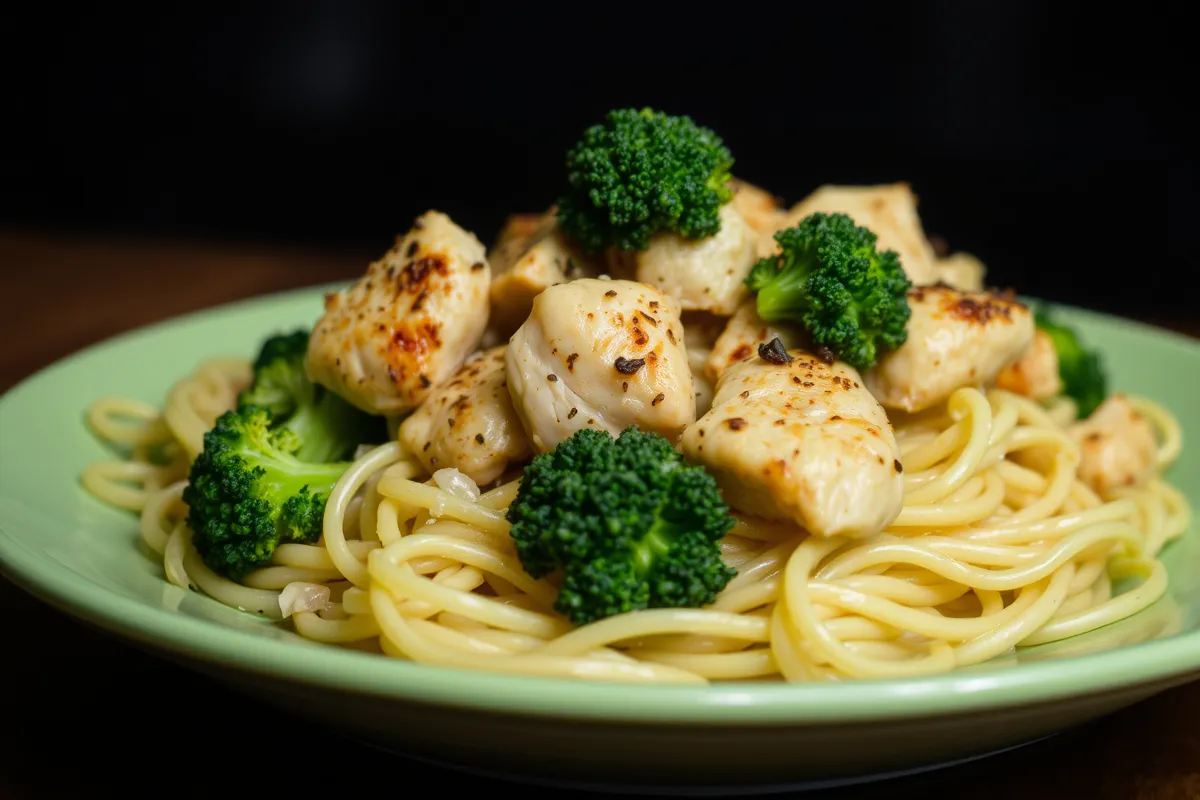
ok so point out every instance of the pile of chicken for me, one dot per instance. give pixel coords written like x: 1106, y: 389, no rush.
x: 490, y: 357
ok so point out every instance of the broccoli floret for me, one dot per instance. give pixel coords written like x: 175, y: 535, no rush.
x: 246, y: 495
x: 642, y: 172
x: 828, y: 277
x: 1080, y: 369
x: 309, y: 421
x: 629, y: 523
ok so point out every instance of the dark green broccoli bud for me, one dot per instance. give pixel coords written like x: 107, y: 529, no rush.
x: 245, y: 495
x: 829, y: 277
x: 310, y: 422
x: 277, y: 385
x: 1082, y: 372
x: 642, y: 172
x: 627, y: 520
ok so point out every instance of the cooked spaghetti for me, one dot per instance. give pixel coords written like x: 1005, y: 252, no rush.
x: 986, y: 555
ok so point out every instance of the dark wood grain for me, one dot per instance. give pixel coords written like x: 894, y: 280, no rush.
x: 82, y: 715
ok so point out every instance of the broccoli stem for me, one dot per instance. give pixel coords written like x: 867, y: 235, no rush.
x: 284, y: 475
x: 786, y: 297
x: 653, y: 545
x: 325, y: 427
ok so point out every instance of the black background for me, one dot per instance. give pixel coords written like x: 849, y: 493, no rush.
x: 1030, y: 130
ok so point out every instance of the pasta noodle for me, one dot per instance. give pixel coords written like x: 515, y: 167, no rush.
x: 990, y: 553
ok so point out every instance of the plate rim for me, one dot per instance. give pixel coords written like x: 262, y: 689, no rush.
x: 1171, y: 660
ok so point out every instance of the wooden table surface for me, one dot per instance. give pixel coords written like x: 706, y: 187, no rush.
x: 85, y: 716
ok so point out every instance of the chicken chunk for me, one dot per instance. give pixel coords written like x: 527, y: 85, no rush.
x: 801, y: 441
x: 758, y: 207
x: 603, y: 354
x: 1116, y: 446
x: 888, y: 210
x: 705, y: 274
x: 469, y: 423
x: 1035, y: 373
x: 702, y: 387
x: 528, y: 258
x: 514, y: 238
x: 743, y: 334
x: 961, y: 271
x: 700, y: 332
x: 407, y: 324
x: 955, y: 339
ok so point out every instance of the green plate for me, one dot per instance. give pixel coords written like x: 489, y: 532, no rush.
x: 86, y: 559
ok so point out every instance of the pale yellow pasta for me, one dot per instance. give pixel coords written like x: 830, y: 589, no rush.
x: 987, y: 556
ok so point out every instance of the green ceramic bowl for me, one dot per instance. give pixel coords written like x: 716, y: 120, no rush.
x: 86, y: 559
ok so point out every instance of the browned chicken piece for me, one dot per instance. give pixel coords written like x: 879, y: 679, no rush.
x: 468, y: 423
x: 601, y: 354
x: 801, y: 440
x: 528, y: 257
x: 408, y: 323
x: 758, y: 207
x: 1035, y: 373
x: 514, y: 237
x: 955, y: 339
x: 961, y: 271
x: 1116, y: 446
x: 744, y: 332
x: 700, y: 332
x: 706, y: 274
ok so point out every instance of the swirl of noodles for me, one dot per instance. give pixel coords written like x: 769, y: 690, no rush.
x: 989, y: 554
x: 159, y: 446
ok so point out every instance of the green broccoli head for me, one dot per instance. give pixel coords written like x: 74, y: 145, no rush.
x: 829, y: 277
x: 280, y: 382
x: 629, y: 523
x: 311, y: 422
x: 1082, y: 372
x: 642, y: 172
x: 246, y: 495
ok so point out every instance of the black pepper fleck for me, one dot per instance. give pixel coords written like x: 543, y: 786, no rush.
x: 775, y: 352
x: 736, y: 423
x: 628, y: 366
x: 478, y: 265
x: 658, y: 398
x: 413, y: 248
x: 479, y: 438
x: 552, y: 377
x: 571, y: 414
x: 899, y: 466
